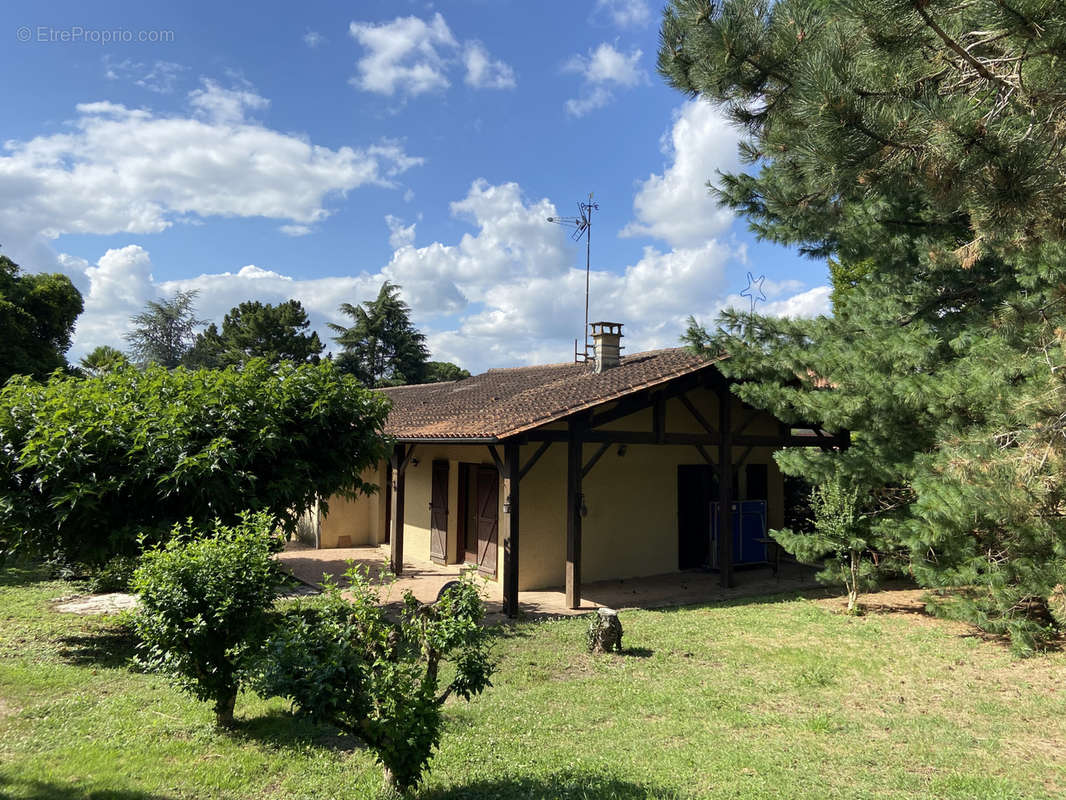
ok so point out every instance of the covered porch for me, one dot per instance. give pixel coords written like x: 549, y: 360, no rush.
x: 425, y: 579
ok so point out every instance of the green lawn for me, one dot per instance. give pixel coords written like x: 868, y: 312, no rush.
x: 778, y: 698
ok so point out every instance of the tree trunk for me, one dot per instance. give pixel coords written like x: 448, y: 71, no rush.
x: 853, y: 583
x: 224, y: 709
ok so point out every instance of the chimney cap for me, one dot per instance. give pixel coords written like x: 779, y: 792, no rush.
x: 609, y: 328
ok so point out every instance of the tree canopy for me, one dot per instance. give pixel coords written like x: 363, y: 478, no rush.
x: 37, y: 316
x: 382, y: 347
x: 87, y: 466
x: 257, y: 330
x: 918, y: 146
x: 165, y: 331
x: 103, y: 359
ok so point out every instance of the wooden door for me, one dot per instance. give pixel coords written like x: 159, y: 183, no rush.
x: 488, y: 519
x: 438, y: 513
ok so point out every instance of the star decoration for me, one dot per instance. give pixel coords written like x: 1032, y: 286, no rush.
x: 754, y: 291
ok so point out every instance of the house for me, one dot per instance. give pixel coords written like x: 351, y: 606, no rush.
x: 550, y: 475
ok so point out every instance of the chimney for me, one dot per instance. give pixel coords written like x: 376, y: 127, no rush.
x: 606, y: 345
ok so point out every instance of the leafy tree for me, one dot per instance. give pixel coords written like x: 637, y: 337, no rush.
x: 165, y: 331
x: 918, y: 145
x: 375, y: 675
x: 382, y: 348
x: 104, y: 359
x: 205, y: 600
x: 89, y: 465
x: 37, y: 314
x: 444, y: 371
x: 840, y: 536
x: 256, y: 330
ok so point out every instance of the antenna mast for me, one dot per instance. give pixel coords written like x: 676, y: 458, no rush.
x: 582, y: 226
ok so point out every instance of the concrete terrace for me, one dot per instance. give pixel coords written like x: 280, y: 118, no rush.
x: 425, y: 579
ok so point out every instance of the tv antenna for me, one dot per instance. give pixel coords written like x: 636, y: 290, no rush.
x: 581, y: 225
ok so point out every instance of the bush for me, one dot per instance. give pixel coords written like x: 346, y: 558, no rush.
x: 205, y: 602
x: 87, y: 466
x: 114, y: 576
x: 347, y: 664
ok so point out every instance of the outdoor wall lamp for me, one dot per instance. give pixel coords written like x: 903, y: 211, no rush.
x: 414, y: 462
x: 622, y: 450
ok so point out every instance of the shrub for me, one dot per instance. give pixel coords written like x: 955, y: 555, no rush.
x: 205, y: 602
x: 346, y: 663
x: 114, y: 576
x: 88, y: 466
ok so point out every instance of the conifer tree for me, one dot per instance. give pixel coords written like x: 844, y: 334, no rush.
x: 919, y: 145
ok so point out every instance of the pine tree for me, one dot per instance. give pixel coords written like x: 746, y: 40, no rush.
x: 164, y: 332
x: 383, y: 347
x: 918, y: 146
x: 257, y: 330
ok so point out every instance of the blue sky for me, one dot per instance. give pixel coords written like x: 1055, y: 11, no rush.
x: 314, y: 150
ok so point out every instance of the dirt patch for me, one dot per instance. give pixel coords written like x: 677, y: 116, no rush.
x: 86, y: 605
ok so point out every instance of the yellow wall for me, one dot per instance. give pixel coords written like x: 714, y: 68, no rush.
x: 353, y: 523
x: 631, y: 526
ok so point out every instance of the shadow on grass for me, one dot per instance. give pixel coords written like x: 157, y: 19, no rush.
x: 52, y: 790
x: 566, y: 786
x: 22, y: 573
x: 638, y: 652
x: 110, y: 647
x: 281, y: 729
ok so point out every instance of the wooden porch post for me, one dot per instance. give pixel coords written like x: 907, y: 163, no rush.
x: 574, y: 466
x: 725, y: 486
x: 396, y: 540
x: 511, y: 475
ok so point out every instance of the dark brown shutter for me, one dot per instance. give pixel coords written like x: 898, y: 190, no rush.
x: 438, y: 513
x: 488, y: 519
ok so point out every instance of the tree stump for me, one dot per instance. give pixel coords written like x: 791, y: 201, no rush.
x: 605, y: 631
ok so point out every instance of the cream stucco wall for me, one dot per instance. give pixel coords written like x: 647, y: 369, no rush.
x: 352, y: 523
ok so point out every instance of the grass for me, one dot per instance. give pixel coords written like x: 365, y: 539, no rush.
x: 772, y: 698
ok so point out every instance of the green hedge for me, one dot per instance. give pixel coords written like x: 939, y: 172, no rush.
x: 86, y: 465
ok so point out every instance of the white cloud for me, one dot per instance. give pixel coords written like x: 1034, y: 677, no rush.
x: 313, y: 39
x: 677, y: 206
x: 121, y: 170
x: 603, y: 70
x: 161, y: 77
x: 810, y: 303
x: 223, y: 105
x: 410, y: 56
x: 625, y: 13
x: 485, y: 72
x: 506, y: 293
x: 399, y: 235
x: 403, y: 55
x: 295, y: 230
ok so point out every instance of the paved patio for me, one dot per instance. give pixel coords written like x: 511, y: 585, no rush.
x: 425, y: 579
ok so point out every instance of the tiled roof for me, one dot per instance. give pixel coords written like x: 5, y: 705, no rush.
x: 503, y: 402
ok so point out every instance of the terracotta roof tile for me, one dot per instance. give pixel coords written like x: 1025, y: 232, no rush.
x: 503, y: 402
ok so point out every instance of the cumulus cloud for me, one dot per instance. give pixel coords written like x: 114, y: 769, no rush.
x: 400, y: 235
x: 485, y: 72
x: 676, y: 206
x: 410, y: 56
x: 122, y: 170
x: 625, y: 13
x: 603, y: 70
x: 507, y: 292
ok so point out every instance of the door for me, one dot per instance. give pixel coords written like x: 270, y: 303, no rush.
x: 697, y: 486
x: 438, y: 513
x: 488, y: 519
